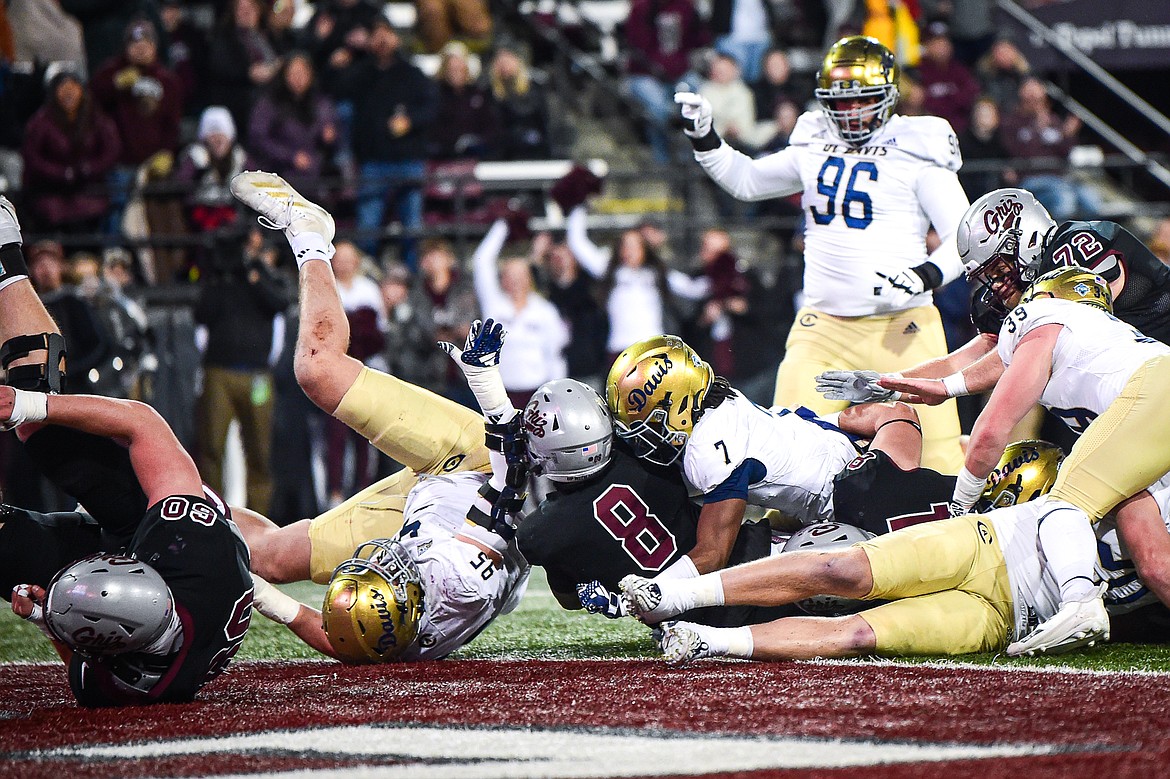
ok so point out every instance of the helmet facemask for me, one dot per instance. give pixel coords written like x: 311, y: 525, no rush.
x: 856, y: 124
x: 650, y: 439
x: 857, y: 88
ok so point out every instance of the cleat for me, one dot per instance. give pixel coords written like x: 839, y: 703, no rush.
x: 681, y: 643
x: 9, y: 224
x: 648, y: 601
x: 281, y: 207
x: 1077, y: 624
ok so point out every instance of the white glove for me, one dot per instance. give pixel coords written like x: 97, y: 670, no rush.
x: 696, y: 109
x: 907, y: 282
x: 853, y: 386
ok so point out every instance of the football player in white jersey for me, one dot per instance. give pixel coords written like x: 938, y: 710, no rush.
x: 435, y: 560
x: 873, y: 182
x: 668, y: 405
x: 1062, y: 347
x: 968, y: 584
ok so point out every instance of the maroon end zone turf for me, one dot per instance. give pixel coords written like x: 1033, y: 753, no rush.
x: 1115, y: 725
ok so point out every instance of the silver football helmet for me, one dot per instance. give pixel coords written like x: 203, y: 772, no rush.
x: 569, y: 431
x: 822, y: 537
x: 1000, y: 241
x: 108, y: 604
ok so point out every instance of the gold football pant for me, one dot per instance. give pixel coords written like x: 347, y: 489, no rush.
x: 948, y: 585
x: 1124, y: 450
x: 885, y: 343
x: 425, y: 432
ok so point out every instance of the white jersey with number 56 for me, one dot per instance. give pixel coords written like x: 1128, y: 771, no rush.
x: 867, y: 209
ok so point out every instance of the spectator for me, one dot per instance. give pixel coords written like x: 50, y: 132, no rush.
x: 123, y: 319
x: 206, y: 167
x: 241, y: 60
x: 732, y: 103
x: 776, y: 86
x: 972, y: 24
x: 43, y: 32
x: 982, y: 146
x: 950, y: 88
x: 105, y: 22
x: 279, y: 29
x: 537, y: 335
x: 362, y: 301
x: 660, y: 37
x: 186, y: 53
x: 744, y: 33
x: 293, y: 130
x: 636, y: 286
x: 446, y: 299
x: 69, y: 147
x: 144, y: 98
x: 394, y: 109
x: 571, y: 291
x: 760, y: 326
x: 728, y: 298
x: 441, y: 21
x: 1001, y: 71
x: 467, y: 124
x: 1040, y: 140
x: 87, y: 341
x: 777, y: 132
x: 911, y: 95
x: 239, y: 305
x: 523, y: 108
x: 339, y: 34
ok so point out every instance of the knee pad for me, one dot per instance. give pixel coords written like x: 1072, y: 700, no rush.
x: 35, y: 377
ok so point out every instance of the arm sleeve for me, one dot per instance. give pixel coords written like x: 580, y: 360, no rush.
x: 746, y: 179
x: 589, y: 255
x: 483, y: 263
x: 689, y: 287
x: 944, y: 202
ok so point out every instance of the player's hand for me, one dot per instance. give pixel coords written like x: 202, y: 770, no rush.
x: 928, y: 392
x: 28, y: 601
x: 853, y: 386
x: 597, y: 599
x: 696, y: 111
x: 485, y: 340
x: 905, y: 282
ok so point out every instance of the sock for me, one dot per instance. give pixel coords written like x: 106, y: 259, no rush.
x: 1070, y: 548
x: 727, y: 642
x: 310, y: 246
x: 13, y: 268
x: 707, y: 590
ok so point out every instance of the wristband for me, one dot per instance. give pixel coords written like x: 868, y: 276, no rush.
x: 27, y: 407
x: 273, y: 603
x: 955, y: 385
x: 968, y: 488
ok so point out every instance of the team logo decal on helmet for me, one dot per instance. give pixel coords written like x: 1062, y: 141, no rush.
x: 374, y: 603
x: 1026, y: 471
x: 655, y: 392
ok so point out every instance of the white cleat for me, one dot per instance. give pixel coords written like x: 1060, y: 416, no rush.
x: 281, y: 207
x: 652, y: 601
x: 9, y: 224
x: 1077, y: 624
x: 681, y: 643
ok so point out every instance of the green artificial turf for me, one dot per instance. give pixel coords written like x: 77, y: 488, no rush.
x: 540, y: 628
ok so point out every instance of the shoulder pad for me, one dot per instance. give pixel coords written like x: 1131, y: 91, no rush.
x: 929, y: 138
x: 811, y: 128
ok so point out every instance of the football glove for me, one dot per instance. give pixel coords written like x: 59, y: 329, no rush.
x: 853, y: 386
x: 479, y: 360
x: 696, y: 111
x: 906, y: 282
x: 596, y: 599
x: 957, y: 509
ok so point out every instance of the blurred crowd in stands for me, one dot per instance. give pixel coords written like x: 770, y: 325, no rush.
x: 122, y: 123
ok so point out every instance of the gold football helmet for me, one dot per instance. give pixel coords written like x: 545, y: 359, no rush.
x: 1026, y: 471
x: 654, y: 391
x: 374, y: 603
x: 857, y: 68
x: 1072, y: 283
